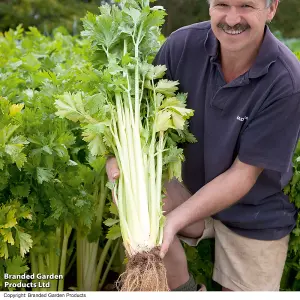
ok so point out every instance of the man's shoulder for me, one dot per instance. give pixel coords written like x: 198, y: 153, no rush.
x: 283, y: 69
x: 184, y: 44
x: 289, y: 65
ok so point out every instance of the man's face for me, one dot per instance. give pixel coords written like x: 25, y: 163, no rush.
x: 239, y: 24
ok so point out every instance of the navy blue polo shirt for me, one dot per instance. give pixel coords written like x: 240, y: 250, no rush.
x: 255, y: 117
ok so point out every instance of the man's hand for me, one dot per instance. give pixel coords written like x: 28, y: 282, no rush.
x: 112, y: 169
x: 220, y: 193
x: 168, y: 237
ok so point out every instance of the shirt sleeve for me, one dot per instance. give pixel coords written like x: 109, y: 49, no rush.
x: 270, y: 138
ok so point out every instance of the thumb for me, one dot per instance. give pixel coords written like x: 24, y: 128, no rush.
x: 165, y: 246
x: 112, y: 169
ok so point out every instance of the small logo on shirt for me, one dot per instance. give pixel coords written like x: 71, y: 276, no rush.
x: 241, y: 119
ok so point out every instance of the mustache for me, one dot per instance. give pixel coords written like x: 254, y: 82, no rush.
x: 237, y: 27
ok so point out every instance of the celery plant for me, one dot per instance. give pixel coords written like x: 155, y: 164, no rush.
x: 136, y: 116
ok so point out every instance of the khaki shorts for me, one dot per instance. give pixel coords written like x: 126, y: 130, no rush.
x: 244, y: 264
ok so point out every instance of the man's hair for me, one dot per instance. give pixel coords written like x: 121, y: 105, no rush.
x: 269, y: 2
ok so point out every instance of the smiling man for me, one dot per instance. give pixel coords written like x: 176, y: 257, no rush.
x: 244, y: 87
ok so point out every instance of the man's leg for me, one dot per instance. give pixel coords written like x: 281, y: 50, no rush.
x: 245, y: 264
x: 176, y: 265
x: 175, y: 260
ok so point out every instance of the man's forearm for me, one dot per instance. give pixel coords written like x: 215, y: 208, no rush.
x: 220, y: 193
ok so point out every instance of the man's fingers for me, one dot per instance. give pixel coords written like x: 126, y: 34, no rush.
x: 163, y: 250
x: 165, y: 247
x: 112, y: 169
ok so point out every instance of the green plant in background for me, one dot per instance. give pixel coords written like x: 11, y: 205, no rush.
x: 292, y: 43
x: 14, y: 241
x: 201, y: 263
x: 291, y: 277
x: 90, y: 257
x: 45, y: 15
x: 52, y: 193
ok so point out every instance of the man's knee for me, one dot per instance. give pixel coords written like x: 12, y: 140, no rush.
x: 176, y: 194
x: 194, y: 230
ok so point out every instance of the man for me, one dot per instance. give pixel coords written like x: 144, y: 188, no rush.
x: 244, y: 87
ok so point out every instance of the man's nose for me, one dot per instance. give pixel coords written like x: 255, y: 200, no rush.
x: 233, y: 17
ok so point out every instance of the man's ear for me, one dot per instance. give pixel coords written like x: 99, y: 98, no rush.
x: 272, y: 10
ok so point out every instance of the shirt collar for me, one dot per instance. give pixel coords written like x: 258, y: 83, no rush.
x: 267, y: 54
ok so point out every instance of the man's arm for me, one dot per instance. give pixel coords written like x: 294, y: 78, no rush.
x: 220, y: 193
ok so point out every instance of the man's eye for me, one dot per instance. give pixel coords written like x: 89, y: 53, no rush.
x: 246, y: 6
x: 222, y: 4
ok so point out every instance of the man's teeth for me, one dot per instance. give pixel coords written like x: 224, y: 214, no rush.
x: 234, y: 32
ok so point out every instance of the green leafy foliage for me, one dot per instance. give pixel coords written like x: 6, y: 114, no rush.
x: 201, y: 263
x: 13, y: 266
x: 291, y: 280
x: 46, y: 16
x: 12, y: 214
x: 45, y: 168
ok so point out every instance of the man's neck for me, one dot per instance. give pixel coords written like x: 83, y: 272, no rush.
x: 235, y: 64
